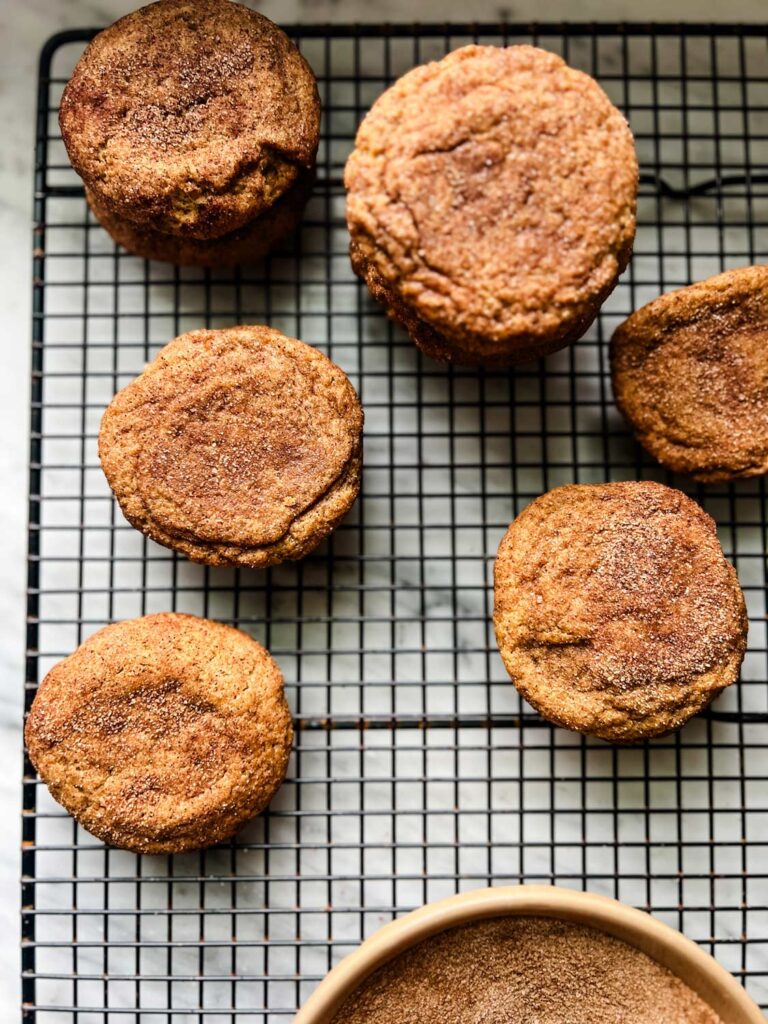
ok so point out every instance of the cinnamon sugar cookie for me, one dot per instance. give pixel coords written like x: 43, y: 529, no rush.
x: 690, y: 373
x: 162, y: 734
x: 616, y: 613
x: 235, y: 447
x: 192, y: 119
x: 491, y: 203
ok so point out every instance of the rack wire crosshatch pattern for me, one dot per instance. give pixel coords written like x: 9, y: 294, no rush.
x: 417, y: 772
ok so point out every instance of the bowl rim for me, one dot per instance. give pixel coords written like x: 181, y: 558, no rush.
x: 683, y: 957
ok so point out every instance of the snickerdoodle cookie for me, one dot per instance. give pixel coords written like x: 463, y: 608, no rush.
x: 162, y: 734
x: 491, y: 203
x: 235, y: 447
x: 616, y: 612
x: 193, y: 119
x: 690, y: 373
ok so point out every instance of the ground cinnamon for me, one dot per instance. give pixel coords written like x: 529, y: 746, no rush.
x: 525, y: 970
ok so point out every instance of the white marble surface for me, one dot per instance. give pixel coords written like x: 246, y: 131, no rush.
x: 23, y: 28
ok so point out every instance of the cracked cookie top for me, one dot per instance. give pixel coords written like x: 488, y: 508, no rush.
x: 616, y: 612
x: 163, y: 733
x: 230, y: 437
x: 191, y: 115
x: 690, y: 373
x: 493, y: 192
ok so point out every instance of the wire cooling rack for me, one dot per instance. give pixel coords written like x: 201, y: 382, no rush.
x: 417, y: 771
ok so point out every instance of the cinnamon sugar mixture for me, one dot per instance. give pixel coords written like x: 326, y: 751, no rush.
x: 525, y: 970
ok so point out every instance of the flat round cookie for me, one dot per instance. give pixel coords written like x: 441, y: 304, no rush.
x: 162, y: 734
x: 690, y: 373
x: 235, y: 447
x: 616, y: 612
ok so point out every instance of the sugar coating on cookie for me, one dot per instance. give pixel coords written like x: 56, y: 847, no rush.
x: 690, y: 373
x: 235, y: 447
x: 491, y: 202
x: 616, y: 612
x: 162, y: 734
x: 191, y: 116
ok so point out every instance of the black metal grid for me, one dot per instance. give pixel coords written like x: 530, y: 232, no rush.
x: 429, y: 776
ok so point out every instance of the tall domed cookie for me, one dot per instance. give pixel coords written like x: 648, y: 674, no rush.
x: 616, y: 612
x: 491, y: 203
x: 162, y: 734
x: 237, y: 447
x: 690, y: 373
x: 192, y: 118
